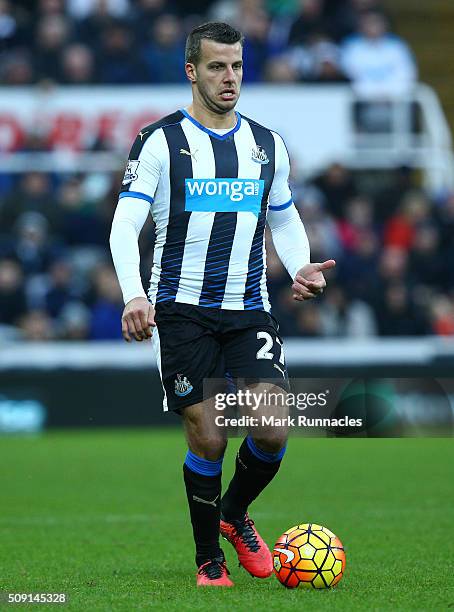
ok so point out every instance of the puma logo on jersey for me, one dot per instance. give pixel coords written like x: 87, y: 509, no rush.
x: 184, y: 152
x: 205, y: 501
x: 279, y: 368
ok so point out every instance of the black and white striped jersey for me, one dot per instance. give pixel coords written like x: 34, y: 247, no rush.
x: 209, y: 194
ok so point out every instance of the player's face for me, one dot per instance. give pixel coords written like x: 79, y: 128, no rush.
x: 218, y: 75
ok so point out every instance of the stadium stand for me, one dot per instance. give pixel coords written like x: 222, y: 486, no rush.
x: 392, y: 239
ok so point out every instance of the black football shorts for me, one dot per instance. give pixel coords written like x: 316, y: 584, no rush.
x: 198, y: 343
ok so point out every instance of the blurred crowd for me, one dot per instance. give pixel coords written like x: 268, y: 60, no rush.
x: 393, y: 247
x: 395, y: 256
x: 81, y: 42
x: 392, y: 242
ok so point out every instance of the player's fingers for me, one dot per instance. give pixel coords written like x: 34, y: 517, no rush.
x: 312, y: 290
x: 297, y: 286
x: 133, y: 330
x: 312, y: 283
x: 308, y: 290
x: 131, y: 327
x: 125, y: 330
x: 145, y: 327
x: 316, y: 289
x: 302, y: 298
x: 139, y: 335
x: 304, y: 293
x: 151, y: 320
x: 302, y: 281
x: 326, y: 265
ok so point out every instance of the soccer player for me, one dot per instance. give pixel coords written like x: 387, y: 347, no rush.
x: 212, y: 178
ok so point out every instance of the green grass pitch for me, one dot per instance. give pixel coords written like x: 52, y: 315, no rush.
x: 101, y: 515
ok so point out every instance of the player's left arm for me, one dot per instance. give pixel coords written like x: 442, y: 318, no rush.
x: 289, y: 235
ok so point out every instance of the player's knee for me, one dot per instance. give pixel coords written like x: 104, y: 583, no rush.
x: 271, y: 442
x: 210, y: 448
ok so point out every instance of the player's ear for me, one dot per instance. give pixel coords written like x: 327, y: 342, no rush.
x: 191, y: 72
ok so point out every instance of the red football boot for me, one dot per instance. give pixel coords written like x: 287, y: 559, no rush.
x: 253, y: 553
x: 214, y: 573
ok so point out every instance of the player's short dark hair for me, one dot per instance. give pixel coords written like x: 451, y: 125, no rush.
x: 217, y: 31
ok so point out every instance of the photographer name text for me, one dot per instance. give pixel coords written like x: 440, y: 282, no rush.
x: 288, y: 421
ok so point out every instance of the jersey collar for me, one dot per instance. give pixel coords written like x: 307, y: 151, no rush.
x: 210, y: 132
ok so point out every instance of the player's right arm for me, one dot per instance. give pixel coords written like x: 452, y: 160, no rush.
x: 135, y: 201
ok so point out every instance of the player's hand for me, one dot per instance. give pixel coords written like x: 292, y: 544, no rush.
x: 137, y: 320
x: 309, y: 281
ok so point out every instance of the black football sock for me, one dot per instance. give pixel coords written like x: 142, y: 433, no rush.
x: 203, y: 488
x: 254, y: 470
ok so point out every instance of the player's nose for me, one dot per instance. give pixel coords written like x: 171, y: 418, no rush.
x: 229, y: 74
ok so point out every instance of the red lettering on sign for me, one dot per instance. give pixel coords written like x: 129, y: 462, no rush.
x: 140, y: 121
x: 107, y: 127
x: 66, y: 132
x: 11, y: 134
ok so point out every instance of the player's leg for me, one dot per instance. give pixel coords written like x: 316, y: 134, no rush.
x: 259, y: 457
x: 189, y: 353
x: 202, y: 476
x: 257, y: 462
x: 256, y: 354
